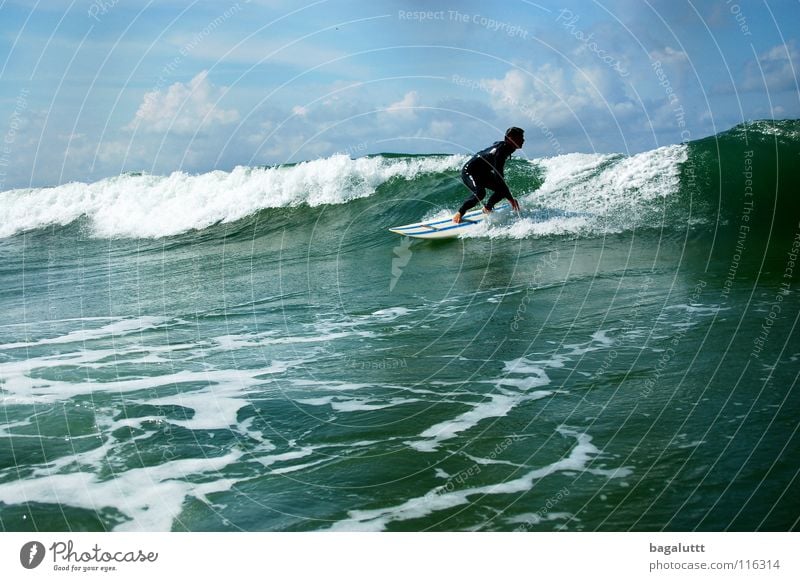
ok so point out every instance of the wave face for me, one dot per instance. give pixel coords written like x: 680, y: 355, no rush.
x: 749, y: 170
x: 705, y: 182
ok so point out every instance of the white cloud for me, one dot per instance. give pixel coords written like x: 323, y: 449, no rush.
x: 405, y: 107
x: 548, y: 94
x: 183, y: 108
x: 441, y: 129
x: 669, y: 56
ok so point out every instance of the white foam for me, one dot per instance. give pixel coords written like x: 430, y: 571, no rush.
x: 150, y: 497
x: 20, y: 388
x: 345, y: 404
x: 521, y: 375
x: 146, y: 206
x: 392, y: 313
x: 439, y: 499
x: 215, y: 407
x: 534, y: 518
x: 285, y: 456
x: 495, y: 406
x: 596, y: 183
x: 118, y: 328
x: 586, y: 194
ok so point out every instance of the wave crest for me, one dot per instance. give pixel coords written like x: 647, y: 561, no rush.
x: 147, y: 206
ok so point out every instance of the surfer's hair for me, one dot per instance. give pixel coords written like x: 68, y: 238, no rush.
x: 515, y: 132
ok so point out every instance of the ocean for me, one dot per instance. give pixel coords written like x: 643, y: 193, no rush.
x: 252, y: 350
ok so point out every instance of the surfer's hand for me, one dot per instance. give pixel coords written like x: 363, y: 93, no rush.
x: 486, y: 210
x: 514, y: 205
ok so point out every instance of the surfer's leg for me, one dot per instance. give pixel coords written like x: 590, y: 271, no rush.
x: 478, y: 193
x: 500, y: 191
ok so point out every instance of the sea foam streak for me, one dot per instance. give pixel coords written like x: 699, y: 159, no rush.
x: 579, y: 459
x: 596, y: 193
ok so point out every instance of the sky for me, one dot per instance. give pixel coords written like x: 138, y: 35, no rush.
x: 92, y: 89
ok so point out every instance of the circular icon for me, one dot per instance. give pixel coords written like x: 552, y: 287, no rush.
x: 31, y: 555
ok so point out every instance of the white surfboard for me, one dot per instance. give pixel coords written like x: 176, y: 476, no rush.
x: 446, y: 228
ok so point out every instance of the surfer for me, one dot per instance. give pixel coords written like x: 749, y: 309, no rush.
x: 485, y: 171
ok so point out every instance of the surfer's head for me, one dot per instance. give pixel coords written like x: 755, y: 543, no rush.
x: 515, y: 136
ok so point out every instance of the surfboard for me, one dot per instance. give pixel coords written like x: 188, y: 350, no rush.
x: 446, y: 228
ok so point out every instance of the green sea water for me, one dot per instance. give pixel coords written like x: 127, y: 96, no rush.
x: 254, y: 351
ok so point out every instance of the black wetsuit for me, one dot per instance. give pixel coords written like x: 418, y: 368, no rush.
x: 485, y: 171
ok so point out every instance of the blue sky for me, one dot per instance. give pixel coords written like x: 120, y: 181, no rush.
x: 89, y: 89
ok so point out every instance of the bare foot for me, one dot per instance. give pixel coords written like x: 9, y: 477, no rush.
x: 457, y: 218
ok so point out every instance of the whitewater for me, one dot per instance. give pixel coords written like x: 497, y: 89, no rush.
x: 146, y: 206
